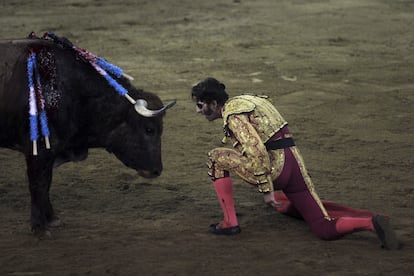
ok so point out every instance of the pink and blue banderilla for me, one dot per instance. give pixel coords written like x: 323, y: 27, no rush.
x: 36, y: 101
x: 100, y: 65
x: 103, y: 67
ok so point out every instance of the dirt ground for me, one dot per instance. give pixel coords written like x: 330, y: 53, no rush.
x: 341, y: 73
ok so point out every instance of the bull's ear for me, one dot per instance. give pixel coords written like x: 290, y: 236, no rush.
x: 141, y: 108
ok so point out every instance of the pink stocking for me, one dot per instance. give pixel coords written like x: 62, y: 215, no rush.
x: 345, y: 225
x: 334, y: 210
x: 224, y: 190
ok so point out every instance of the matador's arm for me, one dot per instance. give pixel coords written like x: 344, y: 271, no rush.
x: 253, y: 148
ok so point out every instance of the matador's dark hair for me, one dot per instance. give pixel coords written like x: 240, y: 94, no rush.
x: 210, y: 90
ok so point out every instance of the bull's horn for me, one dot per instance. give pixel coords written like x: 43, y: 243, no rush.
x: 141, y: 108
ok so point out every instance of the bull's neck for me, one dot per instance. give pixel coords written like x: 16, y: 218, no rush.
x: 106, y: 114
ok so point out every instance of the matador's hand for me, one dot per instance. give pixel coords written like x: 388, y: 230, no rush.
x: 269, y: 199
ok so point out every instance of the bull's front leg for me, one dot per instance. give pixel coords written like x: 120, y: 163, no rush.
x: 39, y: 172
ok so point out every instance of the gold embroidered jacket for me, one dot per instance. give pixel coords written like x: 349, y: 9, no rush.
x: 249, y: 121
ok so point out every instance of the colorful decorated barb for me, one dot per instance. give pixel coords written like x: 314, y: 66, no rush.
x: 36, y: 101
x: 103, y: 67
x: 100, y: 65
x: 91, y: 58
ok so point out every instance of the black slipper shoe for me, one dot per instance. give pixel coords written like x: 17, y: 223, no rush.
x: 385, y: 233
x: 215, y: 229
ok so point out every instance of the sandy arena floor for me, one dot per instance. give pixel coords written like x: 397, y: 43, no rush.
x: 341, y: 73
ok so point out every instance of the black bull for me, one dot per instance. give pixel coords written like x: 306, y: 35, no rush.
x: 83, y: 111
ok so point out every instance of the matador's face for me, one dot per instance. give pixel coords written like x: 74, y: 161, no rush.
x: 211, y: 110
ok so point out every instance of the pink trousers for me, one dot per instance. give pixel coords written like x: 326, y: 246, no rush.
x: 298, y: 201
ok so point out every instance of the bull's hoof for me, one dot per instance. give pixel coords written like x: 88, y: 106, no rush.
x: 42, y: 234
x: 55, y: 222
